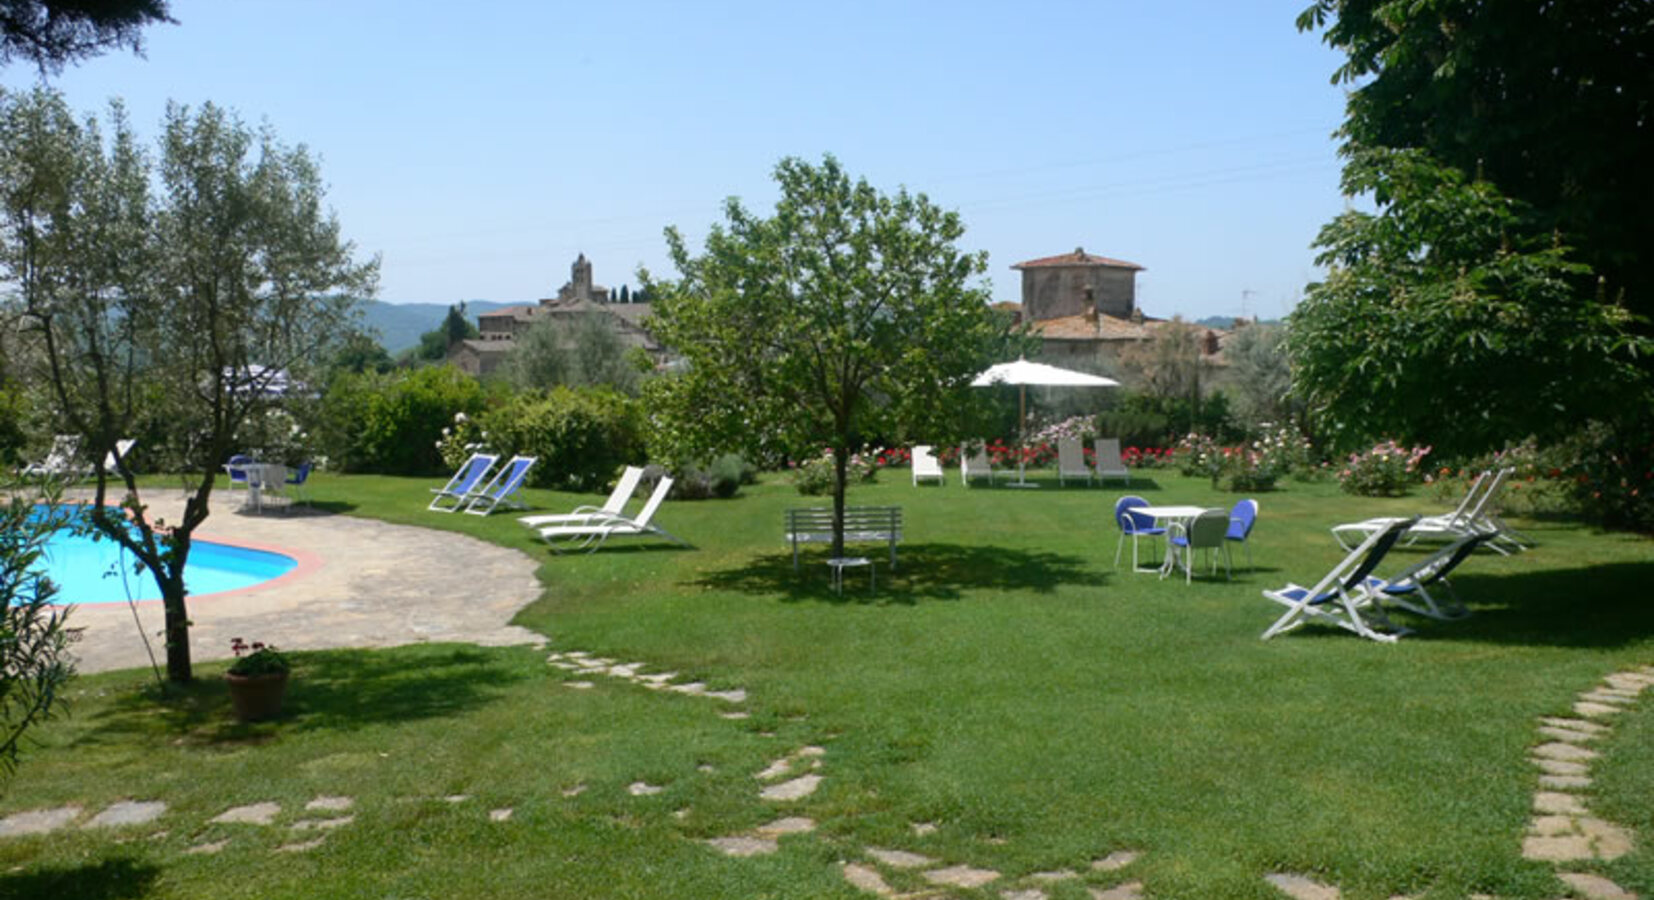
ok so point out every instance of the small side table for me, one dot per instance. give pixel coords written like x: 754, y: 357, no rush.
x: 839, y: 563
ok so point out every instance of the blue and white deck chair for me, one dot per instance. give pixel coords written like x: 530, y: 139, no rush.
x: 457, y: 491
x: 1346, y: 596
x: 1410, y: 588
x: 502, y: 488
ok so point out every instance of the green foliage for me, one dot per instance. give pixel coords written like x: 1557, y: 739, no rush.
x: 574, y: 350
x: 13, y: 413
x: 35, y: 662
x: 1260, y: 375
x: 580, y: 437
x: 256, y: 658
x: 1151, y: 421
x: 455, y: 327
x: 50, y: 33
x: 1440, y: 324
x: 360, y: 353
x: 393, y: 422
x: 721, y: 478
x: 845, y: 315
x: 1386, y: 470
x: 174, y: 291
x: 1547, y: 101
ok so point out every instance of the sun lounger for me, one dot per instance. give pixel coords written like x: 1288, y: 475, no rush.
x: 925, y: 465
x: 457, y: 492
x: 1108, y: 461
x: 1346, y: 595
x: 594, y: 532
x: 502, y: 488
x: 1071, y: 461
x: 614, y: 506
x: 974, y: 463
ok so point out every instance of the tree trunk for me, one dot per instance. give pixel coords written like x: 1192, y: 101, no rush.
x: 841, y: 463
x: 177, y: 628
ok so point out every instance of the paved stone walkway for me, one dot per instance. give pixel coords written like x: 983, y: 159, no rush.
x: 360, y: 583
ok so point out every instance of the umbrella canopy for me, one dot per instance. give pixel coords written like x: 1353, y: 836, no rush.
x: 1023, y: 372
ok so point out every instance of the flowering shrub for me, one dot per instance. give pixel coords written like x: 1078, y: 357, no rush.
x: 1247, y: 467
x: 815, y: 476
x: 1197, y: 455
x: 1384, y: 471
x: 1148, y: 457
x: 460, y: 440
x: 257, y: 658
x: 1284, y: 450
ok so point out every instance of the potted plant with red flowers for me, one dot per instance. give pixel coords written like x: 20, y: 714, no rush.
x: 257, y: 679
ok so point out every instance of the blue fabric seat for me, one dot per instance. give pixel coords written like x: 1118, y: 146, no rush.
x: 1241, y: 520
x: 1135, y: 526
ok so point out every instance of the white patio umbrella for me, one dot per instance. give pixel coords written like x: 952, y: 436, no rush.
x: 1023, y: 373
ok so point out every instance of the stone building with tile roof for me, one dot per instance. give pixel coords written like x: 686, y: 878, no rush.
x: 1084, y: 308
x: 498, y: 330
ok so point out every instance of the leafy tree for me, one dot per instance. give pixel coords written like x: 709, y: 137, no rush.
x: 34, y: 641
x: 625, y: 294
x: 187, y: 305
x: 1440, y: 323
x: 1172, y: 367
x: 455, y: 327
x: 1550, y: 102
x: 844, y: 315
x: 1260, y: 374
x: 50, y: 33
x: 575, y: 350
x: 360, y: 353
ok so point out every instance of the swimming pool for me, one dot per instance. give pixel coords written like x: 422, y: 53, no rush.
x: 89, y: 572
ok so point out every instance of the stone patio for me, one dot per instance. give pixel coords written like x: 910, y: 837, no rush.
x: 359, y: 583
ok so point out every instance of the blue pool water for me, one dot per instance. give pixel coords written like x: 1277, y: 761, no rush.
x: 88, y: 571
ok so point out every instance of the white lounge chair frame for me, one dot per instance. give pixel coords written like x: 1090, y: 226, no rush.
x: 502, y: 488
x: 1474, y: 515
x: 457, y: 491
x: 1345, y: 596
x: 1071, y: 461
x: 925, y: 465
x: 1108, y: 461
x: 614, y: 506
x: 1409, y: 589
x: 597, y: 530
x: 974, y: 463
x: 62, y: 461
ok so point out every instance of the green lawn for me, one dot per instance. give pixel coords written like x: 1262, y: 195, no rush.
x: 1006, y: 684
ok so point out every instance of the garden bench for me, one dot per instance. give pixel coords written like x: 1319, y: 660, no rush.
x: 861, y: 523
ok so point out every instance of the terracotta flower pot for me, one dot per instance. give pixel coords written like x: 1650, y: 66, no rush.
x: 257, y: 697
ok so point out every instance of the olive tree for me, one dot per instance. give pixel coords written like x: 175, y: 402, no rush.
x: 180, y: 291
x: 34, y: 657
x: 848, y: 314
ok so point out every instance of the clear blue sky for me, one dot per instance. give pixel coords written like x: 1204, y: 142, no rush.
x: 478, y: 147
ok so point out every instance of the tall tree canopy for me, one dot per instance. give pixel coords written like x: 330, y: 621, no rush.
x: 1553, y: 103
x: 50, y: 33
x: 847, y: 315
x: 185, y: 304
x: 1440, y: 323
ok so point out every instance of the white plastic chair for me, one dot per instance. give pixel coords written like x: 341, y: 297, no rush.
x: 1108, y: 461
x: 925, y: 465
x: 1071, y: 461
x: 974, y: 463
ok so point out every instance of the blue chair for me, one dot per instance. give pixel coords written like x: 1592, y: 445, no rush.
x: 457, y: 492
x: 1134, y: 525
x: 234, y: 469
x: 296, y: 478
x: 1241, y: 520
x: 502, y: 488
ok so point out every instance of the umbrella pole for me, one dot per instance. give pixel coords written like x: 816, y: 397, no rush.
x: 1022, y: 439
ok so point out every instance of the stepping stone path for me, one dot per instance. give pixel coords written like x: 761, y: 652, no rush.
x: 585, y: 664
x: 127, y: 812
x: 1562, y: 831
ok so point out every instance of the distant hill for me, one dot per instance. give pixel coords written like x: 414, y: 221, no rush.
x: 1222, y: 323
x: 399, y: 325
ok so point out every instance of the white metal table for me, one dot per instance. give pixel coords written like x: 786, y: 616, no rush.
x: 261, y: 476
x: 1166, y: 515
x: 839, y: 563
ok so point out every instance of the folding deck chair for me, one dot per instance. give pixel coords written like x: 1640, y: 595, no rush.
x: 1474, y: 515
x: 594, y: 532
x: 925, y: 465
x: 1108, y: 461
x: 975, y: 464
x: 457, y: 491
x: 614, y: 506
x: 1410, y: 588
x: 502, y: 488
x: 1345, y: 596
x: 62, y: 461
x: 1071, y: 461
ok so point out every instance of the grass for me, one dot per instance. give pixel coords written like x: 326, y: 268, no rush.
x: 1005, y: 683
